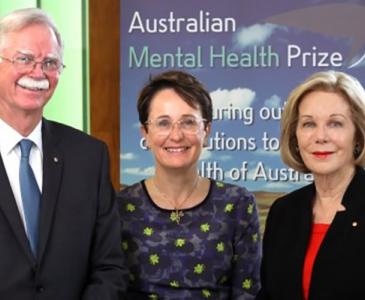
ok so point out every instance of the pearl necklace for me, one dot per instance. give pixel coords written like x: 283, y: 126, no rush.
x: 177, y: 209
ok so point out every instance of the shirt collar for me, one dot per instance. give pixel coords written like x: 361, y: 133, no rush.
x: 9, y: 137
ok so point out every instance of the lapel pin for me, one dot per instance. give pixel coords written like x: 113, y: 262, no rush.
x: 354, y: 224
x: 55, y: 159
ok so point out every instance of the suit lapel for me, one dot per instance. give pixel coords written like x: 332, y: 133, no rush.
x: 333, y: 245
x: 11, y: 212
x: 341, y: 225
x: 302, y: 232
x: 52, y: 172
x: 306, y: 219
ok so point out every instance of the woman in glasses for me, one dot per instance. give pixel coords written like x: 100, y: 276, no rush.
x: 186, y: 237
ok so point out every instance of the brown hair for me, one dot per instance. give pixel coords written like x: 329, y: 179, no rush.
x: 184, y: 84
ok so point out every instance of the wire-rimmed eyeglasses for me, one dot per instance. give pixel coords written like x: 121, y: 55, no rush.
x: 27, y: 63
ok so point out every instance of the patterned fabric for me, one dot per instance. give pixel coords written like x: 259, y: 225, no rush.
x: 213, y: 253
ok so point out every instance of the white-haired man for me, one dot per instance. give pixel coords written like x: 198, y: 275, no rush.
x: 59, y: 227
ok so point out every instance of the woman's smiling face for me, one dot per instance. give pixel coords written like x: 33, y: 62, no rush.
x: 177, y: 147
x: 326, y: 133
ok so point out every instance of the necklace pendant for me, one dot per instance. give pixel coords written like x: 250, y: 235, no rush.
x: 176, y: 214
x: 179, y: 214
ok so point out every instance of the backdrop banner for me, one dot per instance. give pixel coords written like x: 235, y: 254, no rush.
x: 249, y: 54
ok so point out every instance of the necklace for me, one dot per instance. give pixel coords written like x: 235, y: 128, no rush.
x: 177, y: 213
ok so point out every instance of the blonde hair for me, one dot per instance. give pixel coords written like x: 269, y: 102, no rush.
x: 328, y: 81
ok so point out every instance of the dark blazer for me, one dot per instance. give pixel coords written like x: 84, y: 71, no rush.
x: 339, y: 268
x: 79, y: 254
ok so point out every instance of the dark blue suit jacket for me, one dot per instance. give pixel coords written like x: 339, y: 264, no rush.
x: 79, y: 254
x: 339, y: 268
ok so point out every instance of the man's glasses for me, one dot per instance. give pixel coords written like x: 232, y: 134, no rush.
x: 188, y: 125
x: 27, y: 63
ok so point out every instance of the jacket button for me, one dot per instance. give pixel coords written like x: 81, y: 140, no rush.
x: 40, y: 289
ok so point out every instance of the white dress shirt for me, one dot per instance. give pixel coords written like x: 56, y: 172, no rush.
x: 10, y: 153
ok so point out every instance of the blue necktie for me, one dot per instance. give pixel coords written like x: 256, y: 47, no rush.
x: 30, y: 194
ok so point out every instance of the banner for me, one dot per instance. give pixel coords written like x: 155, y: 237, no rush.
x: 249, y: 55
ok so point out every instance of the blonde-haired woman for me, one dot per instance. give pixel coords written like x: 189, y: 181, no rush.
x: 314, y: 240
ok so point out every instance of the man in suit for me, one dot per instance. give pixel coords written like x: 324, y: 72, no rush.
x: 59, y: 227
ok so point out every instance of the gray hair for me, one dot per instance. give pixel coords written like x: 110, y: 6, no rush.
x: 21, y: 18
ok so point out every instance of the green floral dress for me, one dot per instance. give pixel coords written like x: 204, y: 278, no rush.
x: 214, y: 251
